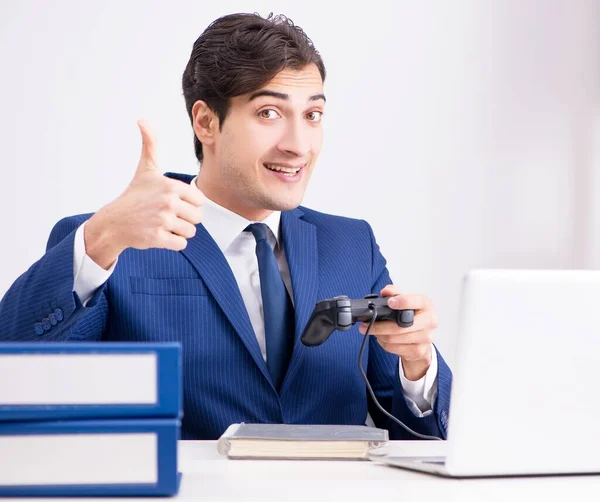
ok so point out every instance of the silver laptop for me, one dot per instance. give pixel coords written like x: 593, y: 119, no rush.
x: 526, y: 388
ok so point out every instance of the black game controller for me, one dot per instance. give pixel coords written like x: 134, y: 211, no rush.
x: 342, y: 313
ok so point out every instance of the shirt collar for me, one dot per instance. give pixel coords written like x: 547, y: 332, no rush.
x: 224, y: 226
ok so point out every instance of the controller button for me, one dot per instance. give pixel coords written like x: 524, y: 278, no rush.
x: 344, y: 319
x: 343, y: 303
x: 372, y: 295
x: 407, y: 316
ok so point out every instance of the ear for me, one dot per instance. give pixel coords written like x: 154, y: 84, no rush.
x: 205, y: 122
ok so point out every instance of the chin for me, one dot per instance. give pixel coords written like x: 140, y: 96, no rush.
x: 284, y: 204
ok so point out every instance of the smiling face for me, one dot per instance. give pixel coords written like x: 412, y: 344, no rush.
x: 262, y: 158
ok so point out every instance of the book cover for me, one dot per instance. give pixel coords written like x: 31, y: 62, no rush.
x: 89, y: 458
x: 293, y: 441
x: 90, y: 380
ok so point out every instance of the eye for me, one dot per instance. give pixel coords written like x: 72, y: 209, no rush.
x: 268, y: 113
x: 314, y: 116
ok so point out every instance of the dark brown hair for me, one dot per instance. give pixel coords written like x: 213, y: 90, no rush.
x: 240, y: 53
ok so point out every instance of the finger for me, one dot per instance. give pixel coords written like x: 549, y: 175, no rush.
x: 416, y: 337
x: 388, y: 328
x: 389, y: 290
x: 410, y: 352
x: 187, y: 192
x: 172, y: 241
x: 181, y: 227
x: 188, y: 212
x: 409, y: 302
x: 423, y: 320
x: 148, y: 156
x: 381, y: 327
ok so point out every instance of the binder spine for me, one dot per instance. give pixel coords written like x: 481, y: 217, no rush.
x: 166, y: 384
x: 165, y: 481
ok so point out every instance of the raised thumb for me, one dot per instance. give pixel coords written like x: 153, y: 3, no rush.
x: 148, y: 156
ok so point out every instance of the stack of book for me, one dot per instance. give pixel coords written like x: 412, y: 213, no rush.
x: 97, y: 419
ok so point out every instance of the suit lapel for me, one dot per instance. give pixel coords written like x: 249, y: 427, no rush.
x: 204, y: 254
x: 300, y: 244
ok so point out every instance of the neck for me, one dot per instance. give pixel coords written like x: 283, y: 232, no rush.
x: 219, y: 196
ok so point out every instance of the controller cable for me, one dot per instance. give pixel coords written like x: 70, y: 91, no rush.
x: 360, y: 356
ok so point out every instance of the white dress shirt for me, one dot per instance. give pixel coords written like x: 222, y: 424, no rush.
x: 239, y: 248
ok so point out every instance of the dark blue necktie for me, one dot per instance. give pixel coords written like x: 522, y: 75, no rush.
x: 277, y: 306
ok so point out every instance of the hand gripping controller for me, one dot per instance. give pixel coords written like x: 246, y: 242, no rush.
x: 341, y: 313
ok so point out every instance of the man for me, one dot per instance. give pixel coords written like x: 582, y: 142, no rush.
x: 182, y: 258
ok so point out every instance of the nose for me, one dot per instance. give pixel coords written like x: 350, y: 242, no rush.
x: 296, y: 139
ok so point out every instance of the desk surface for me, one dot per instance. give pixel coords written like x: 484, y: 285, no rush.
x: 208, y: 476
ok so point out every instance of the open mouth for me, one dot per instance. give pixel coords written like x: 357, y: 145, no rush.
x: 289, y: 172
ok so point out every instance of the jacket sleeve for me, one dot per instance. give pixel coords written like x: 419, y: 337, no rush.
x: 41, y: 304
x: 383, y: 375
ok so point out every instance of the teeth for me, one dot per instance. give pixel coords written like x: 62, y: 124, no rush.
x: 283, y: 169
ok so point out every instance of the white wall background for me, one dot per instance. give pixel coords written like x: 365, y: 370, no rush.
x: 466, y: 132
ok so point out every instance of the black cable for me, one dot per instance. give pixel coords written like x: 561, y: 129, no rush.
x: 360, y: 355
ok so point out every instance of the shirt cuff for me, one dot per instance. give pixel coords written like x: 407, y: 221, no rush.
x: 89, y: 276
x: 420, y: 394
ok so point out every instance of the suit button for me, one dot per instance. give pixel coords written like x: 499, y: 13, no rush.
x: 53, y: 320
x: 58, y: 314
x: 39, y: 330
x: 46, y: 324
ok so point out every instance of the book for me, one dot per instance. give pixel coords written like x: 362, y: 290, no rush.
x: 59, y: 380
x: 89, y: 458
x: 291, y: 441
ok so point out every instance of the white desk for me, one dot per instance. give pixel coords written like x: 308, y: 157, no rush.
x: 208, y: 476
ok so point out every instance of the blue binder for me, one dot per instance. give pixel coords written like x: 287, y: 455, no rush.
x: 167, y: 397
x: 61, y: 458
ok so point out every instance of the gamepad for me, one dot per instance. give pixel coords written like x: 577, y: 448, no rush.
x: 341, y: 313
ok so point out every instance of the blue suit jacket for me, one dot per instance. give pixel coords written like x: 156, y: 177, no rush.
x: 192, y: 297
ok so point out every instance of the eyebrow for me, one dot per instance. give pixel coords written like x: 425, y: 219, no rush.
x: 282, y: 95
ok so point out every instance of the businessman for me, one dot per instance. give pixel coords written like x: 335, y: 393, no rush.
x: 231, y: 265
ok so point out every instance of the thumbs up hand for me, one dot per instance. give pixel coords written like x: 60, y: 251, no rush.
x: 153, y: 212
